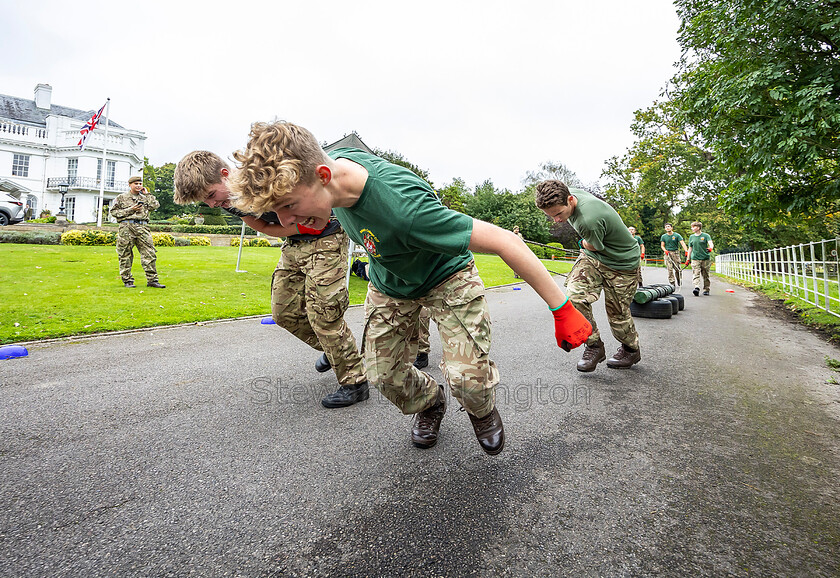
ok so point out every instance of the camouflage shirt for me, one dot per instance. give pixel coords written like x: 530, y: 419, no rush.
x: 123, y: 206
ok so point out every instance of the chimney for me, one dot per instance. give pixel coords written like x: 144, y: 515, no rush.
x: 43, y: 92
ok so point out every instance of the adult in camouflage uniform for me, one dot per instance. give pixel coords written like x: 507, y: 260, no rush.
x: 420, y: 256
x: 131, y: 210
x: 609, y: 261
x: 308, y: 291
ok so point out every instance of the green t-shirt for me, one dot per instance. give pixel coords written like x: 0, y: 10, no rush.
x: 414, y: 242
x: 699, y: 245
x: 672, y: 241
x: 600, y: 226
x: 639, y: 240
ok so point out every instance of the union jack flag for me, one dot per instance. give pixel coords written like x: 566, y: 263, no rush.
x: 89, y: 126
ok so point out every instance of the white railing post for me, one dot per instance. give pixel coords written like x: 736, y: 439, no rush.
x: 788, y: 267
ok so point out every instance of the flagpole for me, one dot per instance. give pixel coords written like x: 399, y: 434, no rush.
x: 241, y: 242
x: 104, y: 167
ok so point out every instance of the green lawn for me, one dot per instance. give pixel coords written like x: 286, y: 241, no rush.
x: 55, y: 291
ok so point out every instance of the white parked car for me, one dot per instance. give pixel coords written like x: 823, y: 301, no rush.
x: 11, y: 210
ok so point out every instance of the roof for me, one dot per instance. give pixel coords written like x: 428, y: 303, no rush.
x: 350, y: 140
x: 24, y: 110
x: 13, y: 188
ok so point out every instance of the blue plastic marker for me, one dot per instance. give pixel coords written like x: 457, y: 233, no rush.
x: 267, y: 321
x: 12, y: 351
x: 517, y: 288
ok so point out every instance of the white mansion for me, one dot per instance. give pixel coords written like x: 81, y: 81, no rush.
x: 39, y: 151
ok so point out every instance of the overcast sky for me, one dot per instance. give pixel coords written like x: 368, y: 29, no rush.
x: 465, y: 89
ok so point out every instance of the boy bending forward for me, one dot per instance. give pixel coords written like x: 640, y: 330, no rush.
x: 419, y: 254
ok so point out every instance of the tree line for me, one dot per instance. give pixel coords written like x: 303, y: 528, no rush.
x: 745, y: 137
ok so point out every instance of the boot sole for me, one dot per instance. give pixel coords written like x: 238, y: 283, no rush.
x: 622, y: 366
x: 424, y: 445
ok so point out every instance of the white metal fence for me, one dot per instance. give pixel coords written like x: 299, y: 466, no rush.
x: 808, y: 271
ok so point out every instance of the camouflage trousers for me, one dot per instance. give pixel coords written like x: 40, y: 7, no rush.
x: 700, y: 268
x: 129, y: 235
x: 309, y: 297
x: 460, y: 312
x: 639, y: 276
x: 423, y: 345
x: 583, y: 286
x: 674, y: 265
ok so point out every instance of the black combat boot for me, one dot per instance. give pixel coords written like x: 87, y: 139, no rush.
x: 421, y: 361
x: 347, y: 395
x: 323, y: 364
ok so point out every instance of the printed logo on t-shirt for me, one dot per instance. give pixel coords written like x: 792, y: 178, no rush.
x: 370, y: 242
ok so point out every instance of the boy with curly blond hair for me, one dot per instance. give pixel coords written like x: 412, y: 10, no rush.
x: 420, y: 255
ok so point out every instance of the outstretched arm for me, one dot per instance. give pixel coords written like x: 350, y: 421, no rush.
x: 571, y: 329
x: 488, y: 238
x: 275, y: 230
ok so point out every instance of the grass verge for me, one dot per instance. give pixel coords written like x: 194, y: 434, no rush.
x: 50, y: 291
x: 808, y: 314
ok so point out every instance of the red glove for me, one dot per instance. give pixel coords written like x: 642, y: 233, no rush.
x: 643, y: 255
x: 571, y: 329
x: 709, y: 249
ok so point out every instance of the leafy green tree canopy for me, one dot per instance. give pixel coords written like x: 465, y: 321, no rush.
x: 453, y: 194
x: 398, y: 159
x: 760, y: 81
x: 164, y: 189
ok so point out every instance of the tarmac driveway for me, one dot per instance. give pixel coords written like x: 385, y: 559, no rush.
x: 204, y: 451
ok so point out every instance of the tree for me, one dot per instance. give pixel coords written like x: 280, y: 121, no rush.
x: 149, y: 177
x: 488, y: 203
x: 507, y: 210
x: 551, y: 170
x: 760, y: 82
x: 664, y: 171
x: 397, y: 159
x: 164, y: 189
x: 453, y: 195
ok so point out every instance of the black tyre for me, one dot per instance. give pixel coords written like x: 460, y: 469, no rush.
x: 679, y: 298
x: 4, y: 219
x: 675, y: 304
x: 656, y: 309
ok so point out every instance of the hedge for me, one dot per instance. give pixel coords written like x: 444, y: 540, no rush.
x: 546, y: 252
x: 30, y: 237
x: 258, y: 242
x: 88, y: 237
x: 94, y: 237
x: 207, y: 229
